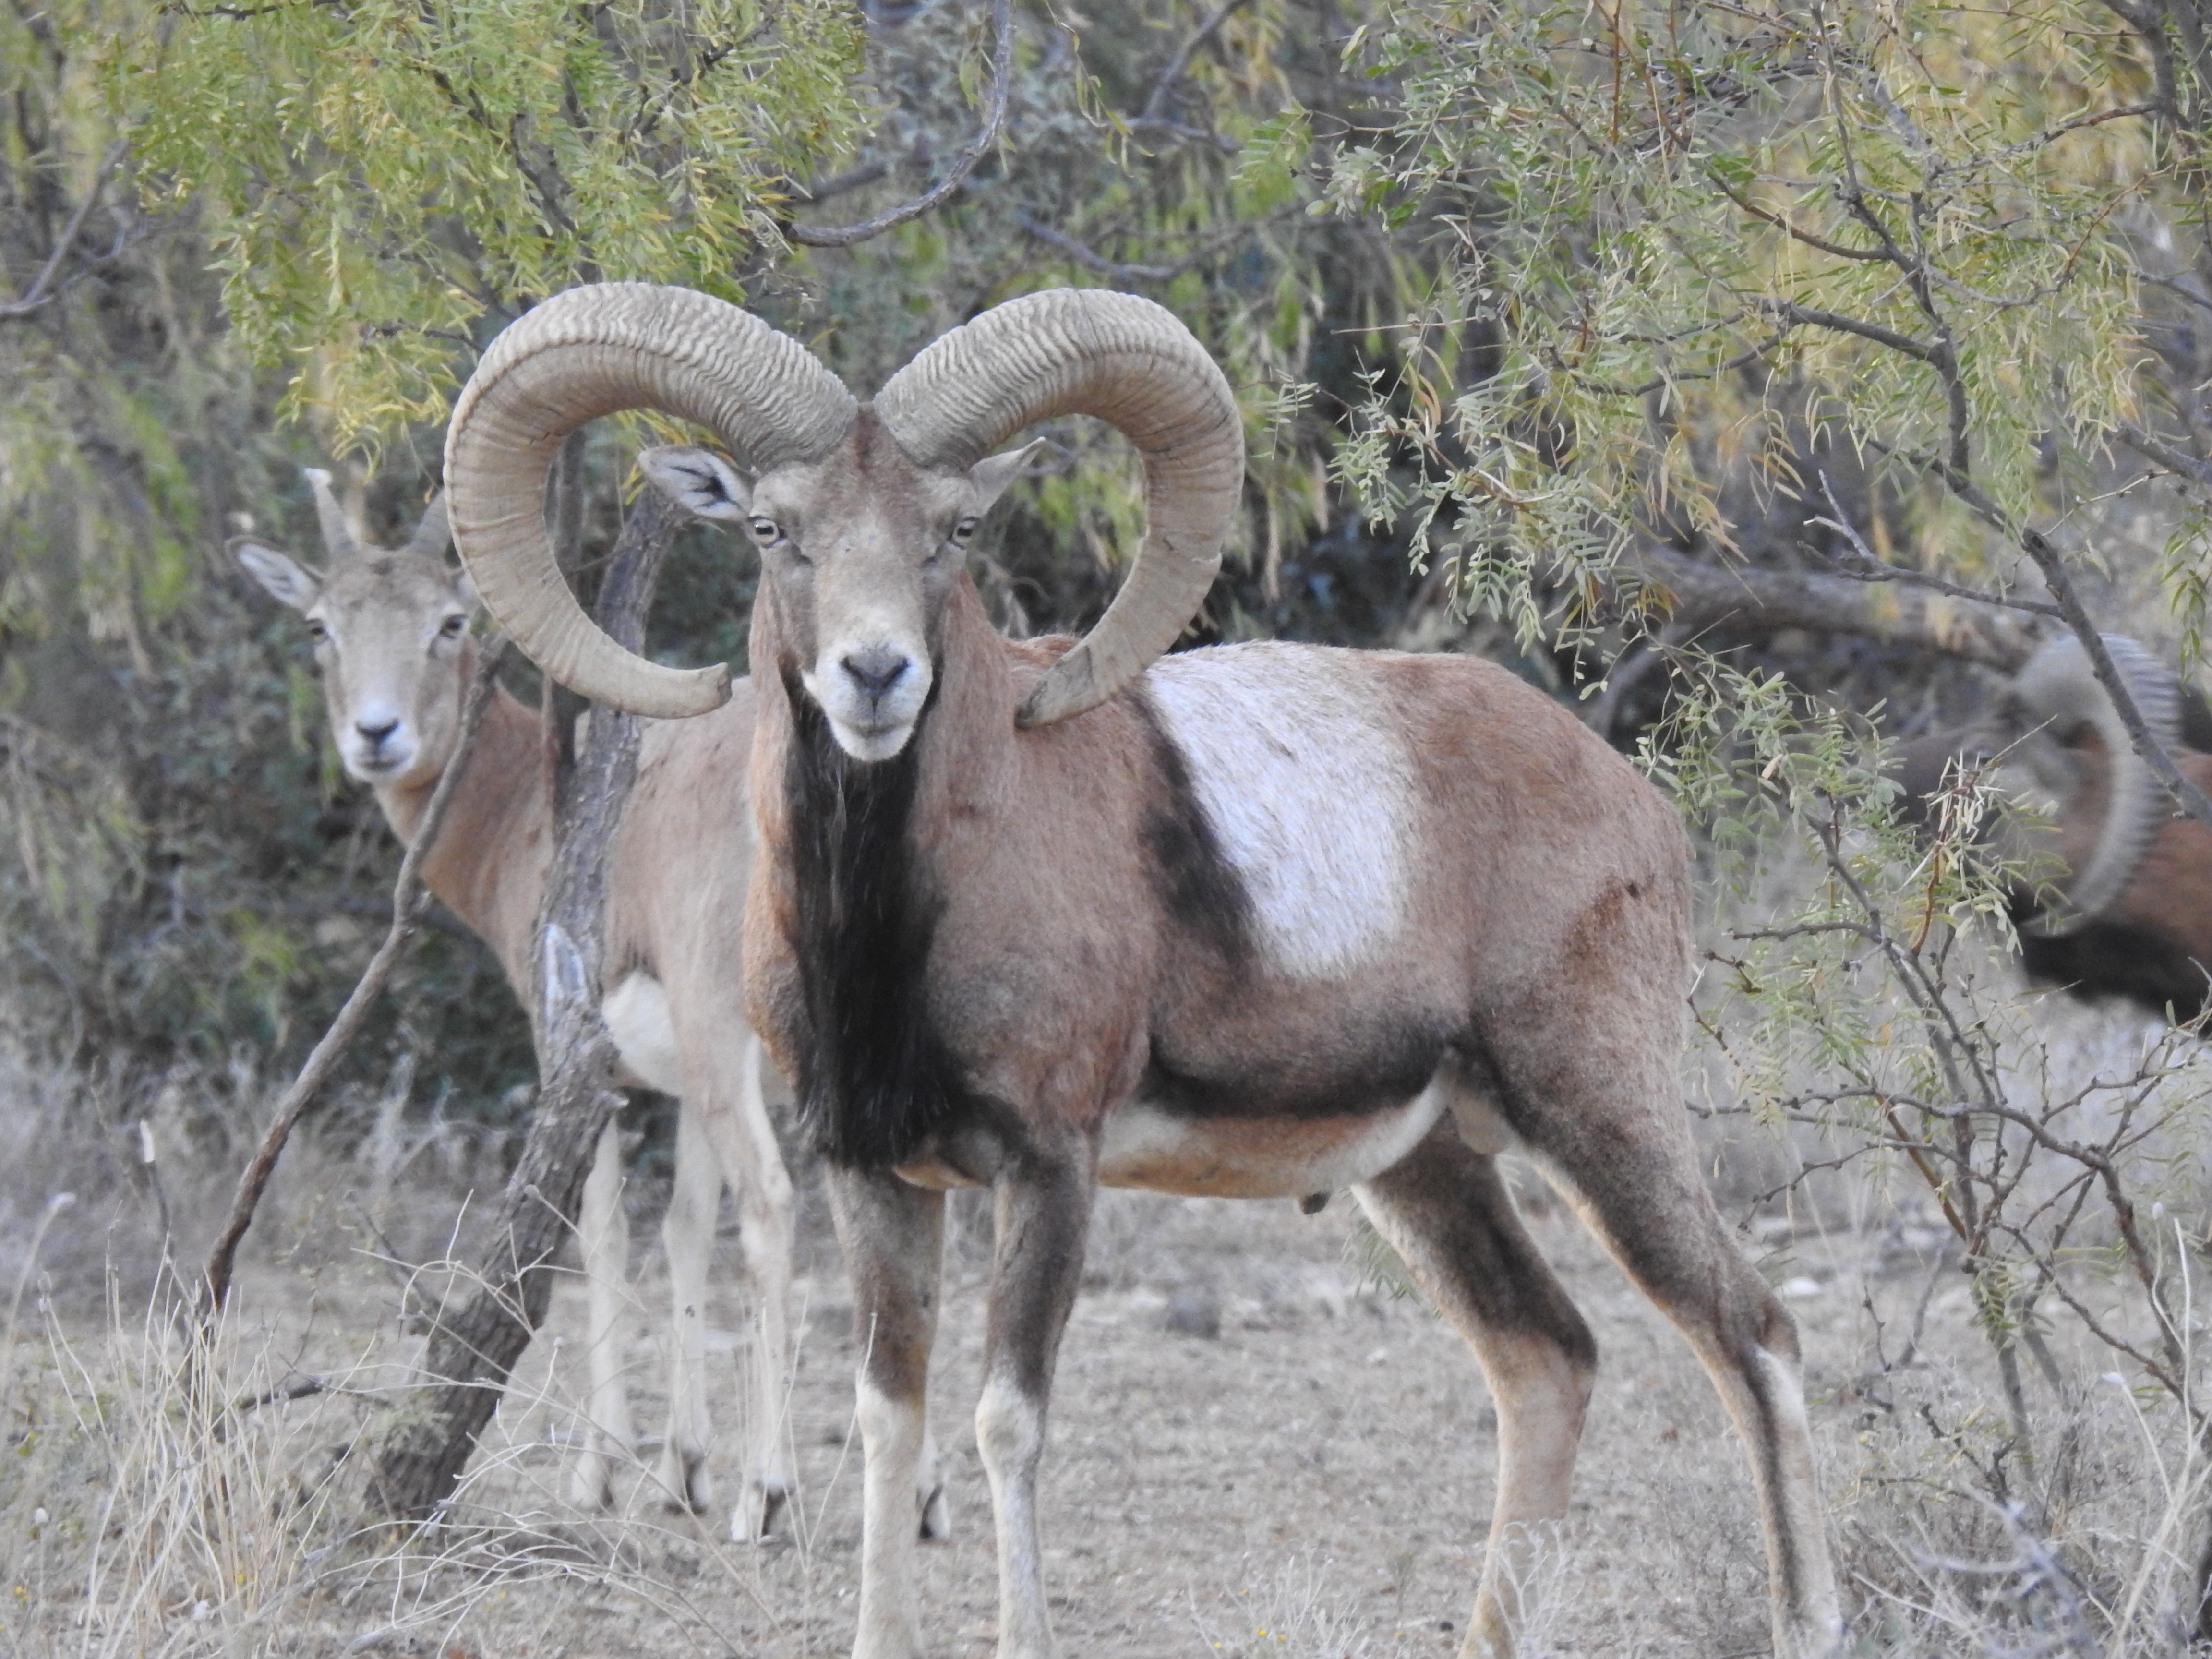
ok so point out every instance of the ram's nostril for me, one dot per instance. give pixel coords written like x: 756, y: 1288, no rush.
x: 376, y: 731
x: 875, y: 671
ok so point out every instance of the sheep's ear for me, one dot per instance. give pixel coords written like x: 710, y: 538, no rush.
x: 994, y: 473
x: 288, y: 581
x: 698, y: 480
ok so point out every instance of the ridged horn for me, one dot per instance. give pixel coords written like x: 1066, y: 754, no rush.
x: 434, y: 532
x: 589, y: 352
x: 338, y: 534
x: 1129, y: 362
x: 2058, y: 686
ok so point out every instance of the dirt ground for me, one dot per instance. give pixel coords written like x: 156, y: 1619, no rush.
x: 1315, y: 1481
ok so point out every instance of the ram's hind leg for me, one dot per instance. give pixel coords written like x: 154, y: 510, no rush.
x: 1447, y: 1212
x: 1605, y: 1113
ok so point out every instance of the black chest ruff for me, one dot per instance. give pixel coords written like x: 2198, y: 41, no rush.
x: 876, y: 1082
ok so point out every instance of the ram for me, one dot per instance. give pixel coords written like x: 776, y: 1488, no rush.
x: 2124, y: 905
x: 1261, y: 920
x: 391, y: 631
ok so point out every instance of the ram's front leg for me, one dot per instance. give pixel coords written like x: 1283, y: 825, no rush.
x: 1043, y: 1213
x: 893, y: 1237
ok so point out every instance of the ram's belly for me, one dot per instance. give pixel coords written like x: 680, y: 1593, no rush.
x: 1259, y: 1156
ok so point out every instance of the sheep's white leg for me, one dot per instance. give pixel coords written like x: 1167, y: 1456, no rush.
x: 1043, y: 1211
x: 893, y: 1237
x: 734, y: 1117
x: 687, y: 1232
x: 604, y: 1236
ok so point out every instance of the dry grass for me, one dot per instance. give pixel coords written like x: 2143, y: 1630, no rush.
x: 1310, y: 1483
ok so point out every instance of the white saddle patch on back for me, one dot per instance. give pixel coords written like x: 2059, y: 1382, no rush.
x: 635, y: 1014
x: 1307, y: 786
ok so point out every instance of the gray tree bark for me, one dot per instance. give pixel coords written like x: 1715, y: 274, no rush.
x: 475, y: 1343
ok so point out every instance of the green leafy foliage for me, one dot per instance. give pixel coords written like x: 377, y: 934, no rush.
x: 383, y: 182
x: 1658, y: 233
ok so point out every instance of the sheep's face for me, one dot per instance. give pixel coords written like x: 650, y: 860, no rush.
x: 389, y: 630
x: 860, y: 552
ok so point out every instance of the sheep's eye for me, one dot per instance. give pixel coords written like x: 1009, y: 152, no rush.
x: 766, y: 531
x: 317, y: 631
x: 453, y: 627
x: 963, y: 532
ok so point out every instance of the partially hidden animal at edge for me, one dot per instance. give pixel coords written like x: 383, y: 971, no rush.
x: 1260, y: 921
x: 390, y: 632
x: 2119, y: 898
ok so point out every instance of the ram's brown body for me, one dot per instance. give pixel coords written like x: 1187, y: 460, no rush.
x: 1266, y: 919
x: 1061, y: 978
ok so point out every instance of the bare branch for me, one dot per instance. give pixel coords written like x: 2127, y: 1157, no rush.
x: 2173, y: 460
x: 858, y: 178
x: 1780, y: 223
x: 1155, y: 106
x: 1871, y: 568
x: 409, y: 899
x: 994, y: 122
x: 1090, y: 259
x: 297, y: 1388
x: 43, y: 289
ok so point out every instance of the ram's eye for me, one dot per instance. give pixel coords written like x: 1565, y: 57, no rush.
x: 766, y: 531
x: 317, y: 631
x: 963, y: 532
x: 453, y: 627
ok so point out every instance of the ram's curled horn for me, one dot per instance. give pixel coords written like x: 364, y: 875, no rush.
x: 434, y: 533
x: 593, y: 351
x: 2059, y: 687
x: 1129, y: 362
x: 338, y: 534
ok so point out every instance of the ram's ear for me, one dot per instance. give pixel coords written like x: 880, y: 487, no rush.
x: 288, y: 580
x: 699, y: 481
x: 994, y: 473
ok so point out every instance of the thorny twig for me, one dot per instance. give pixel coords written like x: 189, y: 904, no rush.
x: 955, y: 176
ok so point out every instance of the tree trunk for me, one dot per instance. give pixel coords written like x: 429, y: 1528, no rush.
x: 476, y: 1343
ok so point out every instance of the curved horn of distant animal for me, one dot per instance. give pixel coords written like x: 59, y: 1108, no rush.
x: 1129, y: 362
x: 594, y: 351
x: 338, y: 534
x: 2058, y: 686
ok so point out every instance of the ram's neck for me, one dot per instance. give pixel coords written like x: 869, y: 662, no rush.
x: 846, y: 891
x: 966, y: 740
x: 490, y: 861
